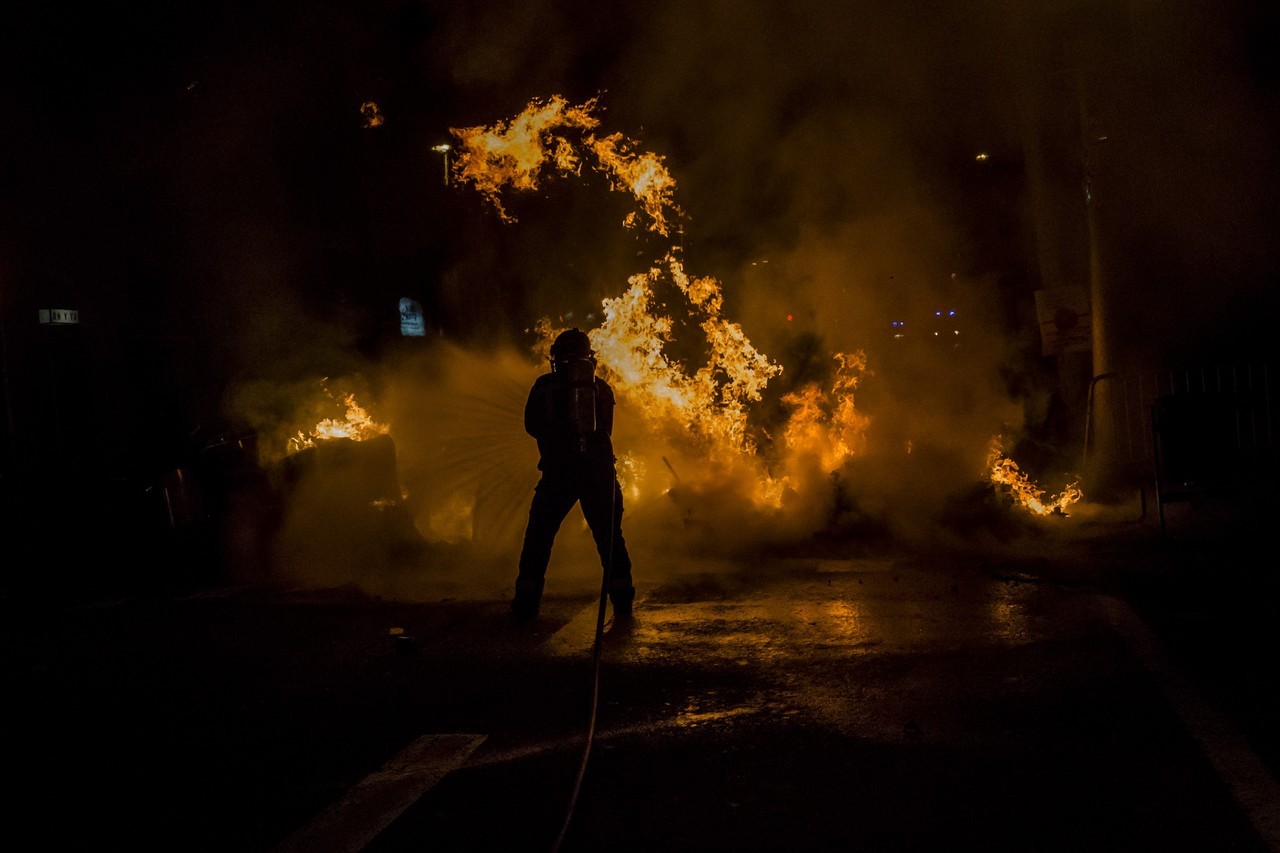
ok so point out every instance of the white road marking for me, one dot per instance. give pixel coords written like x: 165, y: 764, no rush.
x: 578, y: 635
x: 350, y: 824
x: 687, y: 722
x: 1253, y: 787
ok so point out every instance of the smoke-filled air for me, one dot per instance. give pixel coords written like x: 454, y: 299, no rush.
x: 842, y: 444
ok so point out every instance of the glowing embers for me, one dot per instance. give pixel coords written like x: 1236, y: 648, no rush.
x: 1004, y: 473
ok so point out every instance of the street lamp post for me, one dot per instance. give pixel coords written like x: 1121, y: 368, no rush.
x: 444, y: 148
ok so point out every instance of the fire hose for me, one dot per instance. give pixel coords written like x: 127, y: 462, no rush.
x: 595, y: 669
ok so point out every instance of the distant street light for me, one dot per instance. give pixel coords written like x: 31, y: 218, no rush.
x: 444, y: 148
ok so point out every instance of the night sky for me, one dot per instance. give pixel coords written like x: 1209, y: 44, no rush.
x: 199, y: 182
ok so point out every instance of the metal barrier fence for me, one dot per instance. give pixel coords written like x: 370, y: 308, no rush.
x: 1187, y: 428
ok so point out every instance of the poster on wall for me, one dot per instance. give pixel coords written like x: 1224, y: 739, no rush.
x: 1065, y: 324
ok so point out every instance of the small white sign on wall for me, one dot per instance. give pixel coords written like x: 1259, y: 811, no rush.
x: 59, y: 317
x: 1065, y: 322
x: 412, y: 324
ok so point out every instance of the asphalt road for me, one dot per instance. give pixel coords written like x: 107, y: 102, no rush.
x: 1112, y: 693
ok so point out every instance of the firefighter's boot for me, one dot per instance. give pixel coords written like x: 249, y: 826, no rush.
x: 528, y: 598
x: 622, y: 595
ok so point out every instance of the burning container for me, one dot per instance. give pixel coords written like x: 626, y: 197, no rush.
x: 343, y: 511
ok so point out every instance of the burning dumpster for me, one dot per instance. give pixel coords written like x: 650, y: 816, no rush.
x: 343, y: 512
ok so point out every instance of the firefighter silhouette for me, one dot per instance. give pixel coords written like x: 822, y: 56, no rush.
x: 570, y: 413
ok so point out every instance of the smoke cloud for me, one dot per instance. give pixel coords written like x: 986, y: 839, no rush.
x: 828, y: 163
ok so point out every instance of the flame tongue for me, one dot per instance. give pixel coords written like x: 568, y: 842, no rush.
x: 643, y: 175
x: 1004, y: 472
x: 513, y: 154
x: 711, y: 402
x: 826, y: 423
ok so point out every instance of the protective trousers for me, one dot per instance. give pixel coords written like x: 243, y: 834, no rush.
x: 596, y: 488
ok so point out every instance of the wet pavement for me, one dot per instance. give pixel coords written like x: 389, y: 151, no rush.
x: 1111, y: 690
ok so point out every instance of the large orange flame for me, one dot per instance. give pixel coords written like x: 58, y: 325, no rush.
x: 705, y: 408
x: 826, y: 423
x: 710, y: 402
x: 514, y: 154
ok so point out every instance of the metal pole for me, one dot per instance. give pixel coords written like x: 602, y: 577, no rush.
x: 443, y: 149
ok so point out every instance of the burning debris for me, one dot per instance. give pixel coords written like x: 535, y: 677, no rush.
x: 355, y: 424
x: 344, y: 512
x: 1004, y: 473
x: 346, y: 471
x: 342, y: 506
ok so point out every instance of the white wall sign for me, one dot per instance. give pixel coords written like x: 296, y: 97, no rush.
x: 412, y: 324
x: 59, y: 316
x: 1065, y: 323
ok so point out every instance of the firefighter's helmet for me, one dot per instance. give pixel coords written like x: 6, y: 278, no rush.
x: 570, y: 344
